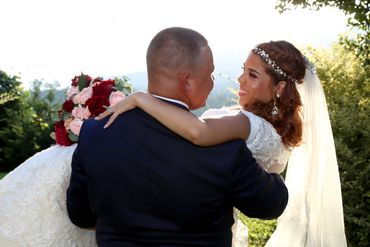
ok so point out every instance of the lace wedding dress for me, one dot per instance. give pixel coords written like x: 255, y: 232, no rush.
x: 33, y: 203
x: 267, y: 148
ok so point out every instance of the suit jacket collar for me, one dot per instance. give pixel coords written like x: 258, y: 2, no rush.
x: 173, y: 102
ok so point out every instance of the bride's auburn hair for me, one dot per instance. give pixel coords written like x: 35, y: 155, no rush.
x: 288, y: 121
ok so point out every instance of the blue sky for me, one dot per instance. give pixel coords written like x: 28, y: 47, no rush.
x: 53, y: 40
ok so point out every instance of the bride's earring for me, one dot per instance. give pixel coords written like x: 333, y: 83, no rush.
x: 275, y: 109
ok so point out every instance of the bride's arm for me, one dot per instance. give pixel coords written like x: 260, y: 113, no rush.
x: 203, y: 132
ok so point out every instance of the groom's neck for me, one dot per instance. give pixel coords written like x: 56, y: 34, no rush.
x: 167, y: 92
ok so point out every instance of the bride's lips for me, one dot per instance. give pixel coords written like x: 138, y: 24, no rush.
x: 242, y: 93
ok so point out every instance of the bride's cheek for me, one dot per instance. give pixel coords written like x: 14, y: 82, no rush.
x: 254, y: 84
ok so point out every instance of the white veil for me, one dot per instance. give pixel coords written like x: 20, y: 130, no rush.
x: 314, y: 214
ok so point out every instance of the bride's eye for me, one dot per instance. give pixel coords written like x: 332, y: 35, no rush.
x: 253, y: 75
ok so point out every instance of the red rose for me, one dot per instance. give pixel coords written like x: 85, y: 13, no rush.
x: 68, y: 106
x: 75, y: 81
x: 96, y: 104
x: 88, y: 79
x: 61, y: 135
x: 103, y: 88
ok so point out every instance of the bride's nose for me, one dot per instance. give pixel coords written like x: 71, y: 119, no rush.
x: 241, y: 79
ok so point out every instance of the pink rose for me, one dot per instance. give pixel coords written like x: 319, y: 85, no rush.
x: 84, y: 95
x: 75, y: 126
x: 87, y: 113
x: 71, y: 92
x: 116, y: 97
x: 78, y: 112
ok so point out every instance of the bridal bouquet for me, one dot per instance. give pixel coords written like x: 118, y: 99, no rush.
x: 86, y: 98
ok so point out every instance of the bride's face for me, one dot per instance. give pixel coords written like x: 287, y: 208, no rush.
x: 254, y: 83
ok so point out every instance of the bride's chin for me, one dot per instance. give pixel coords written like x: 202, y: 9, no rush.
x: 242, y: 102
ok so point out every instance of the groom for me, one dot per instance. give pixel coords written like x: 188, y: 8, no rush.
x: 140, y: 184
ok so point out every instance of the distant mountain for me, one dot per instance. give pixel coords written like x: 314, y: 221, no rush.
x: 221, y: 95
x: 138, y: 80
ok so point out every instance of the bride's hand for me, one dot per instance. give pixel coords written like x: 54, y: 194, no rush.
x: 126, y: 104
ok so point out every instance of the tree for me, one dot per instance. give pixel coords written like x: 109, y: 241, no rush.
x: 25, y: 119
x: 11, y: 105
x: 347, y: 89
x: 42, y: 100
x: 9, y: 88
x: 346, y: 81
x: 358, y: 19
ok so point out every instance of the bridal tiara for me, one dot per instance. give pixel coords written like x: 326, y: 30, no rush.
x: 262, y: 53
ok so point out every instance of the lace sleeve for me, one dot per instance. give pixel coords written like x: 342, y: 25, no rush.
x: 265, y: 144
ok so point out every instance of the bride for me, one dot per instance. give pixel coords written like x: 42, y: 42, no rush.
x: 33, y: 210
x: 270, y: 98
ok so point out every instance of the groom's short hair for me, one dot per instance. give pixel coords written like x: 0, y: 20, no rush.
x: 174, y: 49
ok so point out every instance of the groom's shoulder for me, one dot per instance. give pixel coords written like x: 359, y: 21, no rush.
x: 91, y: 124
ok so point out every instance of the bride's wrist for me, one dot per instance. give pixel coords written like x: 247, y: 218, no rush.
x: 139, y: 98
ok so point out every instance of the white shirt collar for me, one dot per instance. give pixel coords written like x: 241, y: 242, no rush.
x: 172, y: 100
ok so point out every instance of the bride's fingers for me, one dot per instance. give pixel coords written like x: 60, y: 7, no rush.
x: 111, y: 119
x: 102, y: 115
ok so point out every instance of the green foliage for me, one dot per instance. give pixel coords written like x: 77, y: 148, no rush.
x: 358, y: 19
x: 82, y: 81
x: 346, y: 80
x: 259, y: 231
x: 26, y: 121
x: 7, y: 97
x: 8, y: 86
x: 346, y: 84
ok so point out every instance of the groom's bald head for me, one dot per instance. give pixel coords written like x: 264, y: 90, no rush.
x: 180, y: 66
x: 173, y: 50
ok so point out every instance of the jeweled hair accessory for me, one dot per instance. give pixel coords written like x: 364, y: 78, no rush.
x: 262, y: 53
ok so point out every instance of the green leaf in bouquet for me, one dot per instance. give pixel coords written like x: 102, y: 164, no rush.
x: 52, y: 135
x: 66, y: 115
x: 119, y: 83
x: 122, y: 84
x: 82, y: 82
x: 127, y: 89
x: 72, y: 137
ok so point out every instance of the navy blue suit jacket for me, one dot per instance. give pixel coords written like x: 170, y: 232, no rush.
x: 140, y: 184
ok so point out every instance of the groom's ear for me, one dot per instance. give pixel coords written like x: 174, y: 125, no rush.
x: 184, y: 82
